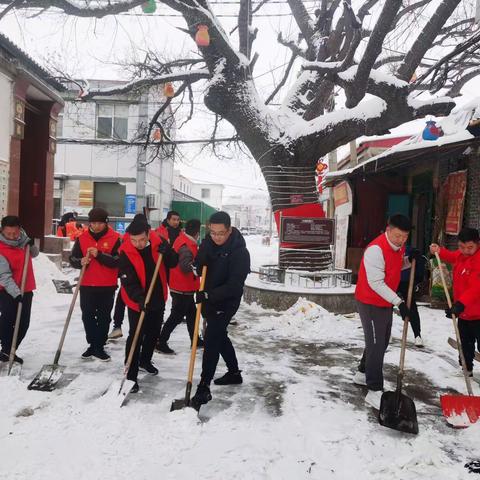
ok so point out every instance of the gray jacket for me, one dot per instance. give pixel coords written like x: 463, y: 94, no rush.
x: 6, y: 279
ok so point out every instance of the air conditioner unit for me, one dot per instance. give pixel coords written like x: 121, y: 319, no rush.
x: 153, y: 200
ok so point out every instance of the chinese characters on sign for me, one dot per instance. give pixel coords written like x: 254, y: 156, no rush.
x: 315, y: 231
x: 455, y: 187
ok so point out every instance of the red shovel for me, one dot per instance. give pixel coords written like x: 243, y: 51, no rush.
x: 459, y: 410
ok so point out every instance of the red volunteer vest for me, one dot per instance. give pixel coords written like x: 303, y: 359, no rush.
x: 180, y: 281
x: 162, y: 232
x: 96, y: 274
x: 136, y: 260
x: 393, y: 270
x: 15, y: 257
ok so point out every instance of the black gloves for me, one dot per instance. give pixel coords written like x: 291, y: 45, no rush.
x: 201, y: 297
x: 31, y: 241
x: 415, y: 254
x: 19, y: 298
x: 404, y: 311
x: 143, y: 307
x: 163, y: 247
x: 457, y: 309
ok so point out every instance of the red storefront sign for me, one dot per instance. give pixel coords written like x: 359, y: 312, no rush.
x: 455, y: 189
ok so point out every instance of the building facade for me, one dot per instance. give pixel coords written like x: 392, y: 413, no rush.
x: 30, y: 102
x: 102, y: 159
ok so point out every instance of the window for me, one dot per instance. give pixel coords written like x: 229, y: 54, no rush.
x: 112, y: 121
x: 205, y: 193
x: 111, y: 197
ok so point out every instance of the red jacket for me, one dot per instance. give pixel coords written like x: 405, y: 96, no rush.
x: 180, y: 281
x: 393, y: 270
x: 466, y: 281
x: 15, y: 256
x: 96, y: 274
x: 136, y: 260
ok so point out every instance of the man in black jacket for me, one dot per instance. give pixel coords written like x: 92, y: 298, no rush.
x: 227, y: 259
x: 138, y: 256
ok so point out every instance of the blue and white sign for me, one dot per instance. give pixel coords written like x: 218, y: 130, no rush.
x: 130, y: 203
x: 120, y: 227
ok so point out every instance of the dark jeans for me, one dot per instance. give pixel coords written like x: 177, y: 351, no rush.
x: 96, y: 304
x: 149, y: 334
x: 217, y: 343
x: 377, y: 325
x: 469, y: 336
x: 414, y: 316
x: 183, y: 306
x: 8, y: 310
x: 119, y: 311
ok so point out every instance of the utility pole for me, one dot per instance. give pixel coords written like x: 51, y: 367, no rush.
x: 141, y: 155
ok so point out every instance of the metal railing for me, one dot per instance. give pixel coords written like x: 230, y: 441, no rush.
x: 297, y: 278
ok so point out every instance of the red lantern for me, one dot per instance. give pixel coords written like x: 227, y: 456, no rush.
x: 202, y: 37
x: 157, y: 135
x: 168, y: 90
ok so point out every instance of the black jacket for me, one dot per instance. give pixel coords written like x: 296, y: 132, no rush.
x: 173, y: 233
x: 131, y: 282
x: 227, y: 268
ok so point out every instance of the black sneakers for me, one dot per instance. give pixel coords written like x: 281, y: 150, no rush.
x: 230, y: 378
x: 88, y: 353
x: 201, y: 397
x: 149, y: 368
x: 135, y: 388
x: 101, y: 354
x: 164, y: 348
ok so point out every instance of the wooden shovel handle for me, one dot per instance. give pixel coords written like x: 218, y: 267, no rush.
x: 411, y: 282
x: 16, y: 329
x: 455, y: 326
x: 70, y: 311
x: 196, y: 328
x: 142, y: 316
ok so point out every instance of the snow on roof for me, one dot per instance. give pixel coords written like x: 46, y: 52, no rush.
x: 454, y: 127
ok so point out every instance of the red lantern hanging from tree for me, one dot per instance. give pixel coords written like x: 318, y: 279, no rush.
x: 202, y: 37
x: 149, y: 6
x: 168, y: 90
x: 157, y: 135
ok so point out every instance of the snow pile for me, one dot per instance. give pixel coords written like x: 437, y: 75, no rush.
x: 304, y: 320
x: 46, y: 271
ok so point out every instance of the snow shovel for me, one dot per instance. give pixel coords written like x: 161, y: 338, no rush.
x: 181, y: 403
x: 126, y: 385
x: 48, y: 377
x: 13, y: 348
x: 459, y: 410
x: 398, y: 411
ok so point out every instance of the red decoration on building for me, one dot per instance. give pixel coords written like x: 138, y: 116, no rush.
x: 157, y: 135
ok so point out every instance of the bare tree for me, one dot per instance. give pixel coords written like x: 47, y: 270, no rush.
x: 337, y: 52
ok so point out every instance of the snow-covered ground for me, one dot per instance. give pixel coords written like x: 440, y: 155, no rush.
x: 296, y: 416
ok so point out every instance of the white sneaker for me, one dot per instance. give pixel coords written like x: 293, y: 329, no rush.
x: 419, y: 342
x: 359, y: 378
x: 115, y: 333
x: 373, y: 398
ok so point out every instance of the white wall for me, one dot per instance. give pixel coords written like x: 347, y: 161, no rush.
x: 216, y: 192
x: 104, y: 161
x: 6, y: 116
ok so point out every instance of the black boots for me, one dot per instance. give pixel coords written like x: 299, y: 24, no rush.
x: 202, y: 396
x: 230, y: 378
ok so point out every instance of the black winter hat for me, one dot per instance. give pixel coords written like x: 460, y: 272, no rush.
x: 98, y: 214
x: 139, y: 225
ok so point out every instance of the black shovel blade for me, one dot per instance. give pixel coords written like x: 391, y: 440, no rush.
x: 62, y: 286
x: 47, y: 378
x: 180, y: 404
x: 398, y: 411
